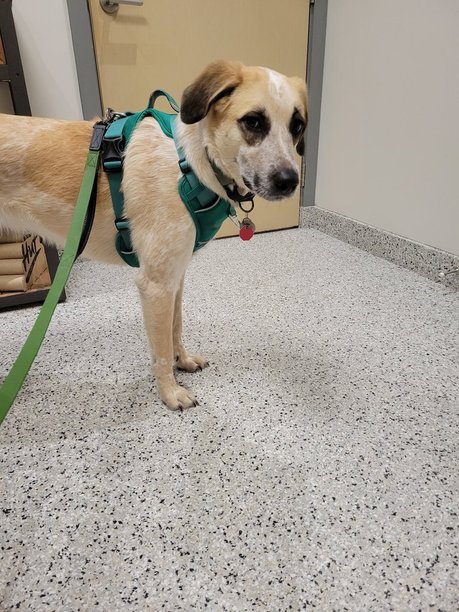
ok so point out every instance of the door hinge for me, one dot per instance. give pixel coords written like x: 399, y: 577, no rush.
x: 303, y: 174
x: 312, y: 2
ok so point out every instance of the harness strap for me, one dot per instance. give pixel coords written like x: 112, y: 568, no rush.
x: 116, y: 140
x: 114, y: 145
x: 15, y: 378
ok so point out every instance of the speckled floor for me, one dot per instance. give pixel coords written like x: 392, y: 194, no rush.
x: 320, y: 470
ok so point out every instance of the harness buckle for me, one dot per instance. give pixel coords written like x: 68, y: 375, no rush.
x: 184, y: 165
x: 124, y: 237
x: 113, y: 154
x: 121, y: 224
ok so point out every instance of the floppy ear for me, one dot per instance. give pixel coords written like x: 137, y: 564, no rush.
x: 219, y: 79
x: 301, y: 88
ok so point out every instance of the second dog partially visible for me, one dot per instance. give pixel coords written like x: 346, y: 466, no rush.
x: 247, y: 121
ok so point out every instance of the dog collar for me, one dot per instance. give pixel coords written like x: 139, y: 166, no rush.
x: 229, y: 185
x: 207, y: 209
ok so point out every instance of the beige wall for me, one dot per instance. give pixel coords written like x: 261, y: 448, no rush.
x: 389, y: 135
x: 45, y: 42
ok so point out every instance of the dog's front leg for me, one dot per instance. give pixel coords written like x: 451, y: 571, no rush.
x: 158, y: 304
x: 184, y: 361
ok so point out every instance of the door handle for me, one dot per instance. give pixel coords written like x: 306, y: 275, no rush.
x: 112, y: 7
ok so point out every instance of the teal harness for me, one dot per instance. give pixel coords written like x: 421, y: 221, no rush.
x: 207, y: 209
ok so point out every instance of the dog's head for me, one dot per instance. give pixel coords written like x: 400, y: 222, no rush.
x: 253, y: 119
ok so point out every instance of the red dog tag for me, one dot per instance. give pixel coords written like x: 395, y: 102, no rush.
x: 247, y: 229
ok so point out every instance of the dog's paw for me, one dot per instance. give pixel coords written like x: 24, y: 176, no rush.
x: 179, y: 397
x: 191, y: 363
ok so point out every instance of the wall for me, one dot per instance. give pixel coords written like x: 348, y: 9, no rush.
x: 389, y: 134
x: 45, y: 43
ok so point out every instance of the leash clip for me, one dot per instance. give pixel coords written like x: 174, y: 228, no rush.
x: 233, y: 193
x: 97, y: 138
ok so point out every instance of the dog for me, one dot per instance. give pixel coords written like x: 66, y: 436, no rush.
x: 247, y: 120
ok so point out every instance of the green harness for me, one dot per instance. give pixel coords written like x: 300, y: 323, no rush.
x: 207, y: 209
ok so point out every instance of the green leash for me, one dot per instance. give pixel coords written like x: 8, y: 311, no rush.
x: 15, y: 379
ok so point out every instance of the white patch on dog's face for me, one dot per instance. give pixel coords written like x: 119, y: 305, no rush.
x: 276, y: 83
x: 254, y: 131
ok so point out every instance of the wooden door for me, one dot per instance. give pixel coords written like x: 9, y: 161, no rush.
x: 165, y: 44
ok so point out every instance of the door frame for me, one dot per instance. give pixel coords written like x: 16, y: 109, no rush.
x: 314, y: 76
x: 91, y: 101
x: 85, y: 58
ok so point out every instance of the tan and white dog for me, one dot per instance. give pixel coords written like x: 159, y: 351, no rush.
x: 247, y: 120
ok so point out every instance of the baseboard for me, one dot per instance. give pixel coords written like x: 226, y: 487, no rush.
x: 423, y: 259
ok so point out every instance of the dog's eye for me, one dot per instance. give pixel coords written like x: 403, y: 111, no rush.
x: 254, y: 123
x: 296, y: 126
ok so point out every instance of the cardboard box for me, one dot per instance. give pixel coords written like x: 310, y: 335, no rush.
x: 30, y: 251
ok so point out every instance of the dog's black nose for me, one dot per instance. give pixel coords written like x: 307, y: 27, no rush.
x: 284, y: 181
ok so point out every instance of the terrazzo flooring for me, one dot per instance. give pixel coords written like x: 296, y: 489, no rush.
x: 320, y: 470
